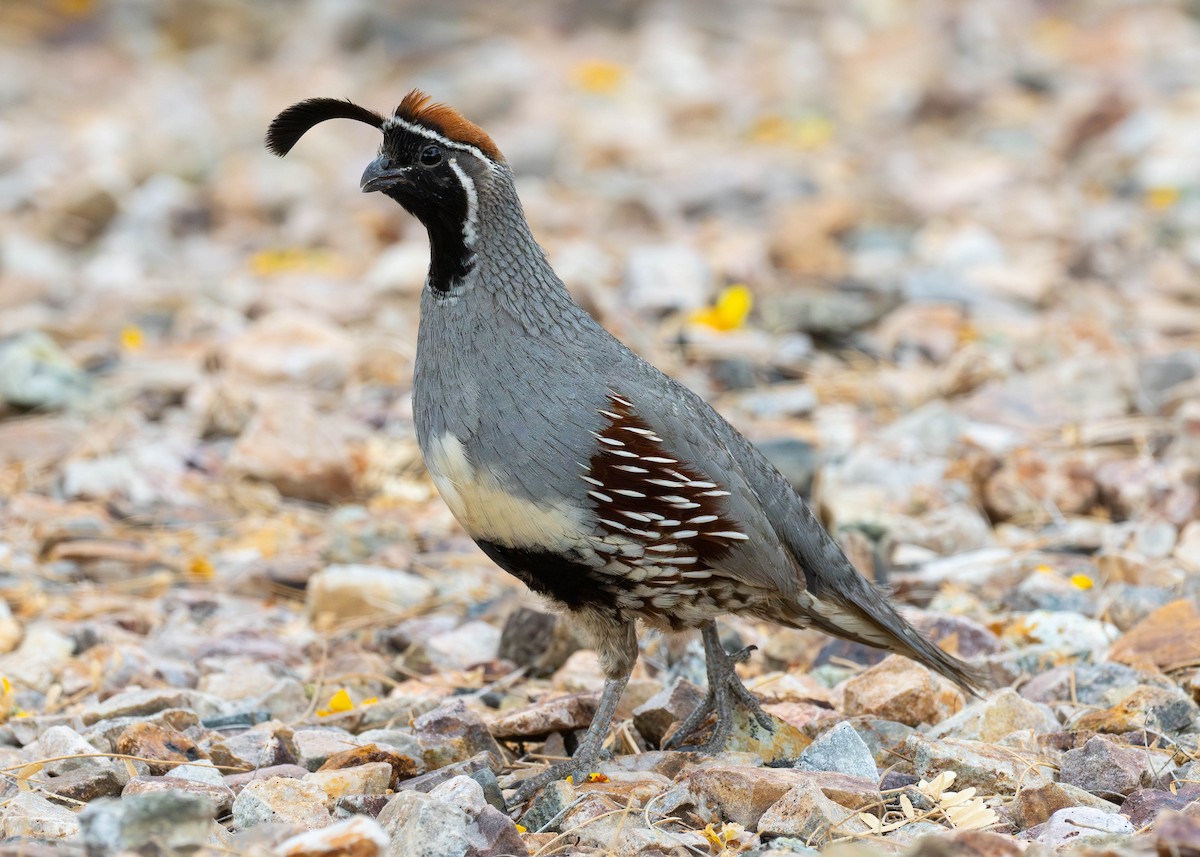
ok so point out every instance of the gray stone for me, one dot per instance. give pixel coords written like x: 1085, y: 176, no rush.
x: 453, y: 733
x: 805, y: 813
x: 350, y: 591
x: 60, y: 741
x: 1107, y: 769
x: 281, y: 799
x: 132, y: 703
x: 1082, y: 824
x: 31, y: 816
x: 990, y: 768
x: 219, y: 794
x: 169, y: 821
x: 36, y: 373
x: 540, y: 642
x: 796, y: 459
x: 314, y: 746
x: 840, y: 749
x: 418, y: 823
x: 655, y: 717
x: 550, y: 803
x: 397, y: 740
x: 471, y: 643
x: 666, y: 277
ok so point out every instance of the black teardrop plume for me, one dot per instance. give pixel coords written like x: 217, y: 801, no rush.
x: 290, y: 125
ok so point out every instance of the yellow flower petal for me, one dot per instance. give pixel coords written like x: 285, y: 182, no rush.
x: 730, y: 311
x: 1160, y: 198
x: 599, y: 77
x: 522, y: 828
x: 341, y: 701
x: 201, y: 567
x: 1082, y: 581
x: 132, y: 338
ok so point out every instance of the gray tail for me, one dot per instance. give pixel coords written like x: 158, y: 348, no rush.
x: 860, y: 611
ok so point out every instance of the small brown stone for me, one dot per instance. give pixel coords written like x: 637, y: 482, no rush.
x: 153, y: 741
x: 403, y: 767
x: 902, y: 690
x: 561, y: 714
x: 1168, y: 638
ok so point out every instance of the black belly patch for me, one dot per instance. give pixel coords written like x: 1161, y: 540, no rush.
x: 555, y: 575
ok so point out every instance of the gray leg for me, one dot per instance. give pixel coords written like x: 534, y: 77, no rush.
x: 725, y: 690
x: 616, y: 645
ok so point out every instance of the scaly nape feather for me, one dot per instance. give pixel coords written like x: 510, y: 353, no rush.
x: 289, y: 126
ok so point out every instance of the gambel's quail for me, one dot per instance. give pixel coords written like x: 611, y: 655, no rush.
x: 577, y: 466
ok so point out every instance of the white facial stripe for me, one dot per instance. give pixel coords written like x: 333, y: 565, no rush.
x: 422, y: 131
x: 472, y: 203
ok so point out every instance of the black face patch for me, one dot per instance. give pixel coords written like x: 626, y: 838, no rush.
x: 434, y: 194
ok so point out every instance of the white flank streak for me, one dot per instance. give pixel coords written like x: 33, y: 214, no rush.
x: 604, y: 498
x: 611, y: 415
x: 673, y: 498
x: 667, y: 548
x: 468, y: 184
x: 611, y: 441
x: 686, y: 534
x: 702, y: 484
x: 621, y: 401
x: 668, y: 523
x: 637, y: 516
x: 613, y: 525
x: 665, y: 483
x: 641, y: 431
x: 685, y: 505
x: 630, y: 468
x: 729, y: 534
x: 624, y: 453
x: 715, y: 494
x: 696, y: 574
x: 654, y: 459
x: 702, y: 519
x: 625, y: 492
x: 486, y: 510
x: 590, y: 481
x: 679, y: 560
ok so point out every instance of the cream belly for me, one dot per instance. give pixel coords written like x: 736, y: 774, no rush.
x: 487, y: 511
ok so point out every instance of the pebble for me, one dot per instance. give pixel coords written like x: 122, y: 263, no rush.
x: 992, y: 719
x: 373, y: 778
x: 1167, y: 638
x: 541, y: 642
x: 563, y: 714
x: 359, y: 836
x: 1107, y: 769
x: 655, y: 717
x: 901, y: 690
x: 467, y: 645
x: 840, y: 750
x: 166, y: 821
x: 281, y: 799
x: 1142, y: 807
x: 1078, y: 824
x: 219, y: 794
x: 452, y: 820
x: 36, y: 374
x: 292, y: 347
x: 28, y: 815
x: 665, y: 278
x: 1033, y: 806
x: 990, y: 768
x: 805, y: 813
x: 352, y: 591
x: 453, y: 733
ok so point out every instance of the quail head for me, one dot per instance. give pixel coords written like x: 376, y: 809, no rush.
x: 602, y: 484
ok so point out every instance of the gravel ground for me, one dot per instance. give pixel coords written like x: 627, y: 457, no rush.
x: 938, y: 258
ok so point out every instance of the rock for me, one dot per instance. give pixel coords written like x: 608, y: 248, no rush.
x: 550, y: 803
x: 1035, y: 806
x: 1087, y: 684
x: 85, y: 784
x: 218, y: 794
x: 352, y: 805
x: 168, y: 822
x: 289, y: 346
x: 453, y: 733
x: 1144, y: 805
x: 59, y: 741
x: 841, y: 750
x: 28, y: 815
x: 665, y: 278
x: 239, y: 781
x: 1029, y: 480
x: 989, y: 768
x: 805, y: 812
x: 1159, y: 375
x: 1158, y: 709
x: 264, y: 745
x: 902, y: 690
x: 350, y: 591
x: 1187, y: 550
x: 782, y: 744
x: 281, y: 799
x: 779, y: 401
x: 401, y: 766
x: 373, y: 778
x: 599, y: 821
x: 36, y: 373
x: 992, y: 719
x: 139, y: 703
x: 1167, y: 639
x: 562, y: 714
x: 540, y: 642
x: 359, y: 836
x: 202, y: 771
x: 741, y: 794
x: 884, y: 738
x: 1066, y: 632
x: 1177, y: 834
x: 655, y: 717
x: 37, y: 660
x: 316, y: 744
x: 467, y: 645
x: 796, y: 459
x: 1107, y: 769
x: 155, y: 741
x: 453, y: 820
x: 1082, y: 824
x: 425, y: 782
x: 303, y: 453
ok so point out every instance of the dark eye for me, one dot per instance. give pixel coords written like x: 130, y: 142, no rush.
x: 431, y: 156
